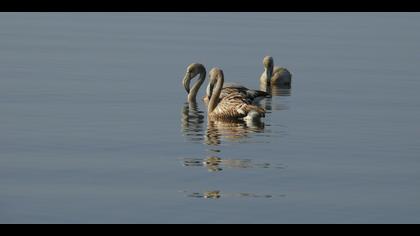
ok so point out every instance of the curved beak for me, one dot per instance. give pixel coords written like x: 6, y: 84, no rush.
x: 269, y: 74
x: 186, y: 82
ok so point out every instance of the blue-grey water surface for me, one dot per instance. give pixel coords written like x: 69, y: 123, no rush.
x: 94, y: 127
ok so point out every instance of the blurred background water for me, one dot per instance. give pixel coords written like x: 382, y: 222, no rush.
x: 94, y: 127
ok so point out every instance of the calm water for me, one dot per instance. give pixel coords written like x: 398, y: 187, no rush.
x: 94, y: 127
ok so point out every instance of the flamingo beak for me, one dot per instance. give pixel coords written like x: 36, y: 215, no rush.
x: 269, y: 74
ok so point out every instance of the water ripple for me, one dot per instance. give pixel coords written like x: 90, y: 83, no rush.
x: 217, y: 194
x: 215, y: 164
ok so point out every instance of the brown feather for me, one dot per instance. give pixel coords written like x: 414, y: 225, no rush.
x: 234, y: 106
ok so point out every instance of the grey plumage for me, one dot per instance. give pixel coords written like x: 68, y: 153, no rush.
x: 278, y: 76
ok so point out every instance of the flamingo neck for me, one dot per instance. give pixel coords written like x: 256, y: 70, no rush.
x: 268, y: 74
x: 193, y: 93
x: 214, y: 100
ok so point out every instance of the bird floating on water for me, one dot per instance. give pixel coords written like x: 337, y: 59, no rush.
x: 277, y: 76
x: 195, y: 69
x: 234, y: 105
